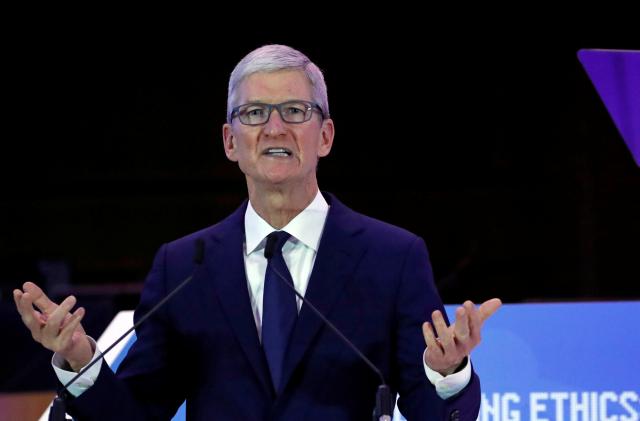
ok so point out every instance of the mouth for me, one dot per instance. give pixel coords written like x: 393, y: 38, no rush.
x: 282, y: 152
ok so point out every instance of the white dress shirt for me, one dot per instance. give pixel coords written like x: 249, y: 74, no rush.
x: 299, y: 254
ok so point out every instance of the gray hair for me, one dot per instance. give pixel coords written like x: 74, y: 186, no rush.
x: 273, y: 58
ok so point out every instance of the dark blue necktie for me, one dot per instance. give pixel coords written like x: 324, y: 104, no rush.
x: 279, y: 309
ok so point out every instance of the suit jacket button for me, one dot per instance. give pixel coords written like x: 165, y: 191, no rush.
x: 455, y: 415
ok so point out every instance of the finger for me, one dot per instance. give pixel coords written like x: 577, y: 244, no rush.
x: 475, y: 322
x: 439, y: 323
x: 67, y: 319
x: 445, y: 335
x: 17, y: 295
x: 488, y: 308
x: 67, y: 332
x: 62, y: 311
x: 40, y: 299
x: 430, y: 338
x: 25, y: 315
x: 461, y: 327
x: 52, y: 328
x: 29, y: 315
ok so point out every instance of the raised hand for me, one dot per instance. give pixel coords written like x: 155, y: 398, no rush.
x: 449, y: 345
x: 53, y: 325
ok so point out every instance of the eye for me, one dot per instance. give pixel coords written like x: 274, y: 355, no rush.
x: 254, y: 111
x: 294, y: 109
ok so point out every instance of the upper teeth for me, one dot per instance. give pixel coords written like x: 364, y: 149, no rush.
x: 278, y: 151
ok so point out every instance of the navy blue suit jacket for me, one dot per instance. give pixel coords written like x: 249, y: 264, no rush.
x: 371, y: 279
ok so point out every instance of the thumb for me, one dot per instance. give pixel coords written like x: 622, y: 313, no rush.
x: 488, y: 308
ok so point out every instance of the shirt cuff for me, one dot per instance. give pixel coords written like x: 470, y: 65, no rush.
x: 447, y: 386
x: 83, y: 382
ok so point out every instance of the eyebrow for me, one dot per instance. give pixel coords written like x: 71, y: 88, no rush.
x: 259, y: 101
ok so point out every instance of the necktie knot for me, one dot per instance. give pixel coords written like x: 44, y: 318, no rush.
x: 275, y: 242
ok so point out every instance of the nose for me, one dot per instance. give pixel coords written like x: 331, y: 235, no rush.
x: 275, y: 126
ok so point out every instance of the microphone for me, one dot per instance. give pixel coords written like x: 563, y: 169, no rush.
x: 383, y: 409
x: 58, y: 411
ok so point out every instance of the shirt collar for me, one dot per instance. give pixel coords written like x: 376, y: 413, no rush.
x: 305, y: 227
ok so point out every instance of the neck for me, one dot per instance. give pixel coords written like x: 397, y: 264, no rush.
x: 278, y: 205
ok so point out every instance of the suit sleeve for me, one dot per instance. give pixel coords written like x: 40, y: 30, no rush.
x: 417, y: 297
x: 148, y: 384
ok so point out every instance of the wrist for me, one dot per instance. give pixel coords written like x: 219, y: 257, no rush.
x: 83, y: 357
x: 454, y: 369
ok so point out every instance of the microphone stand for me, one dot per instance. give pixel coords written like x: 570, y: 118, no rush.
x: 58, y: 408
x: 383, y: 408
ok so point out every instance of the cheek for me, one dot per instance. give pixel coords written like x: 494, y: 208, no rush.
x: 244, y: 146
x: 310, y: 143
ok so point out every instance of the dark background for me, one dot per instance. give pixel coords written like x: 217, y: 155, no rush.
x: 493, y: 147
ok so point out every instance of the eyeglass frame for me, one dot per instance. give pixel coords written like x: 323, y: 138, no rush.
x: 311, y: 106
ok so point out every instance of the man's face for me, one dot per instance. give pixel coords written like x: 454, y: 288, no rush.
x: 253, y: 146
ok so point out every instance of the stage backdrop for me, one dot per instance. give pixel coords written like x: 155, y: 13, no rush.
x: 564, y: 361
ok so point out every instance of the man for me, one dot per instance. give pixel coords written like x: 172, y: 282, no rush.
x: 236, y: 343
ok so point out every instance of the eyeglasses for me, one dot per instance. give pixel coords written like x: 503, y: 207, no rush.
x: 257, y: 113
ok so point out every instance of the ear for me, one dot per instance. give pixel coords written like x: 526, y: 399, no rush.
x: 229, y: 142
x: 326, y: 137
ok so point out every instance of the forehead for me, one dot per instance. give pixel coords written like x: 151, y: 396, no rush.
x: 275, y: 87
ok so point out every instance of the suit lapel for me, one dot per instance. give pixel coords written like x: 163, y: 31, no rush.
x: 338, y: 255
x: 226, y: 266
